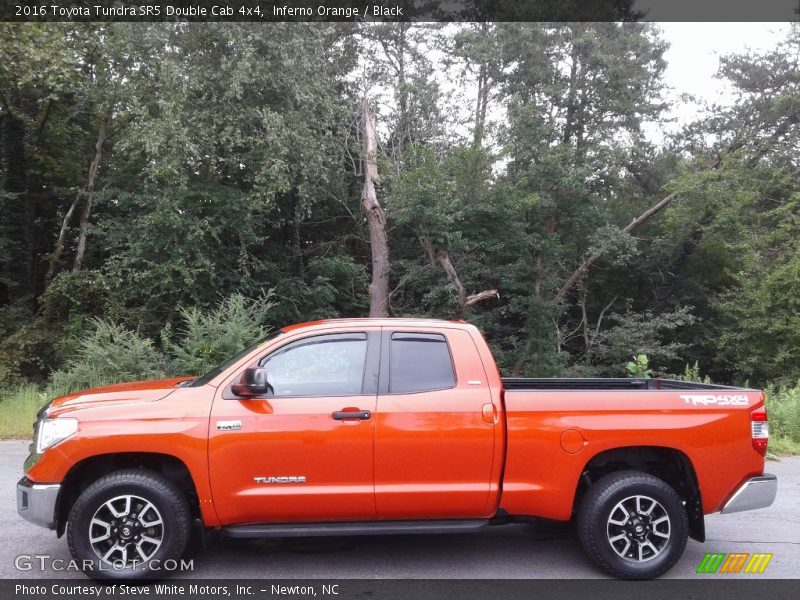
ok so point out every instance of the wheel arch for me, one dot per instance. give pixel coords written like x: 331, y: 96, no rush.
x: 84, y: 473
x: 671, y: 465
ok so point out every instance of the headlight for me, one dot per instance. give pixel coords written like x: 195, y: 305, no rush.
x: 52, y: 431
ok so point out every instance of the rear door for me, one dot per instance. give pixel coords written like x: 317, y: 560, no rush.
x: 434, y: 426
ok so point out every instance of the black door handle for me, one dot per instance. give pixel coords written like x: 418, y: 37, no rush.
x: 340, y: 415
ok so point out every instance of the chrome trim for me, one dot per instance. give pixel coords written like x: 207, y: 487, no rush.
x: 756, y: 492
x: 36, y: 502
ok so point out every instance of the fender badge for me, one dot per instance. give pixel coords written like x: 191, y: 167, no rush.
x: 229, y: 425
x: 282, y: 479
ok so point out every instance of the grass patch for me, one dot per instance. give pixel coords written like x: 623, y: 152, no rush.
x: 18, y: 408
x: 19, y: 405
x: 783, y: 410
x: 781, y: 446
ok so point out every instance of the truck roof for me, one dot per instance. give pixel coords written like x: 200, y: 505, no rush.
x: 410, y: 322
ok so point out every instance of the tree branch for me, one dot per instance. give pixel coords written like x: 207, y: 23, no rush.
x: 484, y: 295
x: 464, y: 302
x: 637, y: 222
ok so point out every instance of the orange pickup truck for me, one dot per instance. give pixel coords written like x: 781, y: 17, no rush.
x: 367, y: 426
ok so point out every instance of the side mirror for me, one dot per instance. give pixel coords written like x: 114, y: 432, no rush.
x: 252, y: 383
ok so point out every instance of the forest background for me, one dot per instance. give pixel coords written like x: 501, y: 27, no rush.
x: 170, y: 192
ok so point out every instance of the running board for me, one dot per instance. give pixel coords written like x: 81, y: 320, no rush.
x: 352, y: 528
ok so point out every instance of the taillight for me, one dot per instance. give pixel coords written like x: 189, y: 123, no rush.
x: 760, y: 429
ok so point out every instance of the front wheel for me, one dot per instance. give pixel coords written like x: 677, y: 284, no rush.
x: 129, y: 525
x: 633, y: 525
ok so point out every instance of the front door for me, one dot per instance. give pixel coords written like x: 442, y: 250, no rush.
x: 295, y: 454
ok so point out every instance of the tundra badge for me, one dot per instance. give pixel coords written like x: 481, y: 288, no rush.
x: 286, y: 479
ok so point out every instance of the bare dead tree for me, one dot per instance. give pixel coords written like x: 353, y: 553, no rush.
x: 102, y: 136
x: 86, y: 194
x: 376, y: 217
x: 442, y: 259
x: 464, y: 302
x: 55, y: 257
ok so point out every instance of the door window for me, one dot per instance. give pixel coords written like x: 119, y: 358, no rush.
x: 324, y: 365
x: 419, y: 362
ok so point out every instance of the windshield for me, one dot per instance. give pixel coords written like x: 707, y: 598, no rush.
x: 220, y: 368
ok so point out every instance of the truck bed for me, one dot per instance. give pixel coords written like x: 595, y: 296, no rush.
x: 512, y: 384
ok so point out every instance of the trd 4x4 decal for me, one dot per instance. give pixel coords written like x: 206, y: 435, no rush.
x: 715, y: 399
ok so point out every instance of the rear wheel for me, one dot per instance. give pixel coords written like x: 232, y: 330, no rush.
x: 633, y: 525
x: 127, y: 524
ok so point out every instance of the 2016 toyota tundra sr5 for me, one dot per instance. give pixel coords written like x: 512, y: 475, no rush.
x: 365, y: 426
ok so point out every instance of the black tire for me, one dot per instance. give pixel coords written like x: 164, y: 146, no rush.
x: 164, y: 517
x: 609, y: 512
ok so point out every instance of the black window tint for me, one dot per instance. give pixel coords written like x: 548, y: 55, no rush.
x: 419, y: 362
x: 325, y: 365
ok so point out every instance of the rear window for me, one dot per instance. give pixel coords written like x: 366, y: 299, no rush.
x: 420, y: 362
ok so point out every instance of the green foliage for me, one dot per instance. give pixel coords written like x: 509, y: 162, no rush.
x: 783, y: 410
x: 638, y: 367
x: 764, y: 302
x: 110, y: 353
x: 174, y: 249
x: 234, y: 166
x: 779, y: 447
x: 617, y: 247
x: 640, y: 333
x: 30, y: 353
x: 692, y: 373
x: 207, y: 338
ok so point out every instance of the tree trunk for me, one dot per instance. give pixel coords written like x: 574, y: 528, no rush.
x: 102, y: 136
x: 572, y: 93
x: 403, y: 134
x: 484, y: 87
x: 376, y: 218
x: 82, y: 234
x: 480, y: 109
x: 62, y: 235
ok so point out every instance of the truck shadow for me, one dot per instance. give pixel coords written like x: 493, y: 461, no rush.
x: 537, y: 530
x: 535, y: 549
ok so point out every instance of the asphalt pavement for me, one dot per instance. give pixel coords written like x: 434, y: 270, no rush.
x: 519, y: 551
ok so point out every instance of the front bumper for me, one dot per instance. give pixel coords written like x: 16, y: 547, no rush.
x: 756, y: 492
x: 36, y: 502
